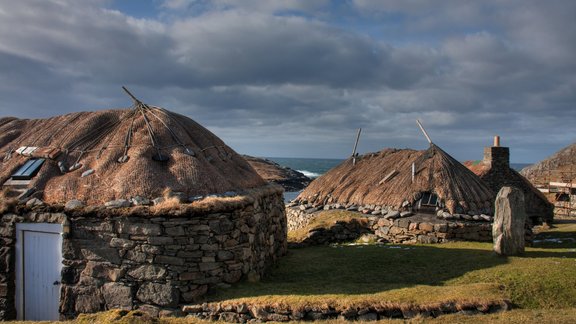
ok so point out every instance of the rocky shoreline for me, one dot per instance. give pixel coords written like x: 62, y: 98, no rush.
x: 289, y: 179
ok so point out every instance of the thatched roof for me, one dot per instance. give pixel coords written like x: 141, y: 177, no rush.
x: 554, y: 168
x: 537, y: 205
x: 133, y: 152
x: 369, y: 181
x: 289, y: 179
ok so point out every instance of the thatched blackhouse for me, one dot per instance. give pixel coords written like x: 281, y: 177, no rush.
x: 137, y: 208
x: 555, y: 176
x: 428, y: 180
x: 495, y: 170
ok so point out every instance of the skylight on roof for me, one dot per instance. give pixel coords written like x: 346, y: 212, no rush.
x: 28, y: 170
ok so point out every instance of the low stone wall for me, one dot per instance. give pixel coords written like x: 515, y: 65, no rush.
x: 298, y: 218
x: 341, y: 231
x: 427, y: 229
x: 395, y: 227
x: 149, y: 261
x: 242, y: 312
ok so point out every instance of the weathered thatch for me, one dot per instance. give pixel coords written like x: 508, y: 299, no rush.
x: 385, y: 178
x: 289, y: 179
x: 559, y: 167
x: 538, y: 208
x: 133, y: 152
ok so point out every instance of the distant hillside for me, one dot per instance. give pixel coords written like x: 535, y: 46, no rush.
x: 271, y: 171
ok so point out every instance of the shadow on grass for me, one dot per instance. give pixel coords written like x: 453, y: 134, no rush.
x: 353, y: 270
x: 363, y: 270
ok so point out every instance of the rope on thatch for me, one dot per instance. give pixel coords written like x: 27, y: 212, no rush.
x: 103, y: 129
x: 143, y: 109
x: 175, y: 137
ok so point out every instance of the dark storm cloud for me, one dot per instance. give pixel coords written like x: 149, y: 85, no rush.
x: 249, y: 69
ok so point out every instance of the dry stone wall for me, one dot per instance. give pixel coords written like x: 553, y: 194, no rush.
x: 243, y: 313
x: 155, y: 263
x: 395, y: 227
x: 418, y: 229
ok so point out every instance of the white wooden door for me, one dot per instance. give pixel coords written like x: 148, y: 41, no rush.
x: 38, y: 266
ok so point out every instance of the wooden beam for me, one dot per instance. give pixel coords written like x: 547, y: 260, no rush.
x: 356, y: 146
x: 389, y: 176
x: 424, y: 131
x: 563, y: 184
x: 132, y: 96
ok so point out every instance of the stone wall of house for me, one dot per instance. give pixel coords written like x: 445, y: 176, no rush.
x: 393, y: 226
x: 415, y: 230
x: 155, y: 263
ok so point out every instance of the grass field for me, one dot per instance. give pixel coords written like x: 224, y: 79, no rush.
x: 544, y: 277
x: 542, y: 281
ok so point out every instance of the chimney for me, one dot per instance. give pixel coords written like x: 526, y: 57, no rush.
x: 497, y: 156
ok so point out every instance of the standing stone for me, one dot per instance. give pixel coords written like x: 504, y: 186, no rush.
x: 509, y: 220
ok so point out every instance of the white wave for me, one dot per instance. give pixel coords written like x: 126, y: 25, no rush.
x: 309, y: 174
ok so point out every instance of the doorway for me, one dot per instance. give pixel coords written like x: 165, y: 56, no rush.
x: 38, y: 267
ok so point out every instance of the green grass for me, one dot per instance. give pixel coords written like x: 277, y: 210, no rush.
x: 544, y: 278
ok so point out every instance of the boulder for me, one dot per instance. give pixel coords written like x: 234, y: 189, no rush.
x: 119, y: 203
x: 117, y: 295
x: 73, y: 204
x: 392, y: 214
x: 140, y: 201
x: 406, y: 214
x: 148, y: 272
x: 34, y: 202
x: 509, y: 220
x: 159, y: 294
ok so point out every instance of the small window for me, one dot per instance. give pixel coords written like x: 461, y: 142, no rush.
x: 429, y: 199
x: 28, y: 170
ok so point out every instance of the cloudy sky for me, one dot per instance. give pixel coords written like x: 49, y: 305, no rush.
x: 296, y: 78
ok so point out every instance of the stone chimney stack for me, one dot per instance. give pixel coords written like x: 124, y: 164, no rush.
x: 497, y: 156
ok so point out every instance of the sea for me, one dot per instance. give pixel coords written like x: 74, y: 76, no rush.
x: 313, y: 168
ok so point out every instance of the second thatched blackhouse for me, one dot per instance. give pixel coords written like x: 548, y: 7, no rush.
x: 420, y: 181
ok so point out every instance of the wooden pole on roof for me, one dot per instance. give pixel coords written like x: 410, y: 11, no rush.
x: 356, y: 146
x: 131, y: 95
x: 424, y: 131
